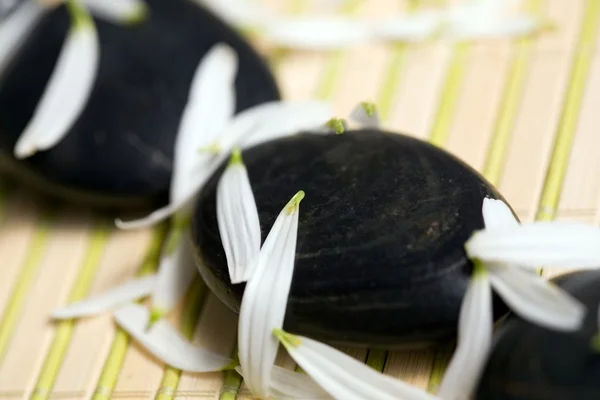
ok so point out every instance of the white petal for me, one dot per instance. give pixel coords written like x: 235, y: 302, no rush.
x: 239, y: 13
x: 495, y: 28
x: 265, y: 299
x: 194, y: 186
x: 271, y: 120
x: 287, y: 384
x: 211, y: 103
x: 535, y: 299
x: 539, y: 244
x: 120, y: 11
x: 295, y: 385
x: 416, y: 26
x: 15, y: 29
x: 496, y: 214
x: 344, y: 377
x: 474, y: 340
x: 237, y: 216
x: 165, y: 343
x: 314, y: 33
x: 366, y: 115
x: 68, y: 89
x: 176, y: 272
x: 131, y: 290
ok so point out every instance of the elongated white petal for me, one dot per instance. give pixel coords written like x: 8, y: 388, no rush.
x: 295, y: 385
x: 497, y: 215
x: 129, y: 291
x: 366, y: 115
x: 539, y: 244
x: 68, y: 89
x: 495, y: 28
x: 318, y: 33
x: 176, y: 272
x: 211, y: 103
x: 535, y: 299
x: 120, y: 11
x: 237, y: 216
x: 15, y: 29
x: 287, y: 384
x: 412, y: 27
x: 265, y: 299
x: 344, y: 377
x: 240, y: 13
x: 288, y: 118
x: 271, y: 120
x: 164, y: 342
x: 197, y: 181
x: 474, y: 340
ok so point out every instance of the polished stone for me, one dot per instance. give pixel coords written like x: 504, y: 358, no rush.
x: 533, y: 363
x: 380, y: 258
x: 120, y: 151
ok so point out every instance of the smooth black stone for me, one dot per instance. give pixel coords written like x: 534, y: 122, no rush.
x: 380, y: 259
x: 533, y: 363
x: 120, y: 151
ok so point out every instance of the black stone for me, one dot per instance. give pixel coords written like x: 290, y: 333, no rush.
x: 529, y: 362
x: 119, y: 153
x: 380, y: 259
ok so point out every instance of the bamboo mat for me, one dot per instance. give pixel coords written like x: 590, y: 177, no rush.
x: 523, y: 112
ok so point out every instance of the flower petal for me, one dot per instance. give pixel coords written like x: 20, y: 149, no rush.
x: 474, y: 339
x: 237, y: 217
x: 131, y: 290
x: 318, y: 33
x: 194, y: 185
x: 496, y: 28
x: 535, y: 299
x: 279, y: 119
x: 15, y: 29
x: 496, y: 214
x: 166, y: 344
x: 265, y: 299
x: 344, y: 377
x: 120, y: 11
x: 413, y: 27
x: 366, y: 115
x: 539, y: 244
x: 239, y: 13
x: 287, y: 384
x: 211, y: 103
x: 68, y: 89
x: 176, y: 272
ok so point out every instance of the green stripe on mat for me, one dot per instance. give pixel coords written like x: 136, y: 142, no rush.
x: 559, y: 160
x: 566, y: 132
x: 20, y: 292
x: 520, y: 65
x: 64, y: 329
x: 118, y: 349
x: 191, y: 315
x: 450, y: 95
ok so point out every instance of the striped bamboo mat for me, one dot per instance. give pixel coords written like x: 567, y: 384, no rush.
x: 521, y: 111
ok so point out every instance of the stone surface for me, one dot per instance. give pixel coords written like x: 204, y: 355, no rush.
x: 380, y: 257
x: 119, y: 153
x: 532, y: 363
